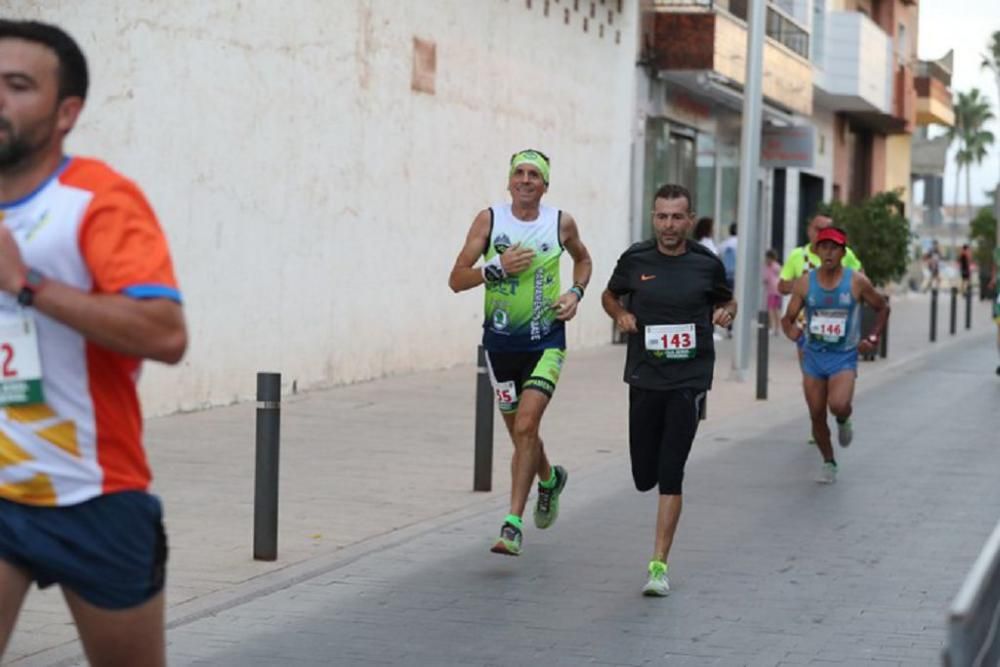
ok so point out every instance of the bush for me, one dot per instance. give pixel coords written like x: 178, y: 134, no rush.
x: 983, y: 233
x: 878, y: 233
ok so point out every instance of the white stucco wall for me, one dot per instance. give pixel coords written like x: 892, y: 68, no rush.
x: 314, y: 202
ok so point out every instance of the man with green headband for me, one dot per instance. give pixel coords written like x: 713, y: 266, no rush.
x: 524, y: 326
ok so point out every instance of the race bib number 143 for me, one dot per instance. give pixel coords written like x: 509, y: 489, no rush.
x: 672, y: 341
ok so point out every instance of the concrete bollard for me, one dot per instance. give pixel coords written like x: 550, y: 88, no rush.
x: 482, y: 475
x: 265, y: 488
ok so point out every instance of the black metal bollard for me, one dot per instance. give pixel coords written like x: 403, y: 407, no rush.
x: 265, y: 487
x: 968, y: 307
x: 954, y: 311
x: 934, y: 315
x: 763, y: 333
x: 482, y: 477
x: 883, y: 343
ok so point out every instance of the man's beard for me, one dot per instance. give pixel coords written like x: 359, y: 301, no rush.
x: 16, y: 149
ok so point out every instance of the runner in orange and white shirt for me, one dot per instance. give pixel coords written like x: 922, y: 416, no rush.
x: 87, y: 291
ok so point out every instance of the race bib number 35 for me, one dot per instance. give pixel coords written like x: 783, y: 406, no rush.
x: 20, y: 365
x: 828, y: 326
x: 672, y: 341
x: 506, y: 394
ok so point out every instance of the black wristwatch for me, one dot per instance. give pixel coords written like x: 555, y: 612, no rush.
x: 32, y: 282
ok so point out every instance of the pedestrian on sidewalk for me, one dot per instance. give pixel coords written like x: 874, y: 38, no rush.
x: 727, y: 253
x: 524, y: 330
x: 831, y: 296
x: 677, y: 291
x: 932, y: 260
x: 87, y: 291
x: 770, y: 273
x: 801, y: 261
x: 703, y: 233
x: 965, y: 268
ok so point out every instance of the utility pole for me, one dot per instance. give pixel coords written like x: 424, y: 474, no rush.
x: 748, y: 245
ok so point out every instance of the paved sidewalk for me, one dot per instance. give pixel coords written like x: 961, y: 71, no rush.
x: 769, y: 568
x: 363, y: 464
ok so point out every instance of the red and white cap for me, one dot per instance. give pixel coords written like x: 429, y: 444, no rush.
x: 835, y: 234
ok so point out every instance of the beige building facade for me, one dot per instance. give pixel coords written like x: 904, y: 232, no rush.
x: 316, y: 166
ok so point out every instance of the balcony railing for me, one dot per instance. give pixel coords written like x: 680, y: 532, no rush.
x: 778, y: 26
x: 932, y: 70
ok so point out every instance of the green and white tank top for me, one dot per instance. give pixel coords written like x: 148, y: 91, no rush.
x: 518, y: 309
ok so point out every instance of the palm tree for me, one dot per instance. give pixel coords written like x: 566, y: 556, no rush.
x: 972, y: 112
x: 975, y: 139
x: 991, y: 61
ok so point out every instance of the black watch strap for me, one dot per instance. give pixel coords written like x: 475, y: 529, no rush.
x: 32, y: 281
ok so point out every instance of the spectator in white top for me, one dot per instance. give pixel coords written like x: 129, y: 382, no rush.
x: 703, y: 234
x: 727, y: 253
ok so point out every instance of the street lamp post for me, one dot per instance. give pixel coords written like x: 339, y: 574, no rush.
x: 748, y: 244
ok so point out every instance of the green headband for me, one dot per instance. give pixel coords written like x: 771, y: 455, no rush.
x: 533, y: 158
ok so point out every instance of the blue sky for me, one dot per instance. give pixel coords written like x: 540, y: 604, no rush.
x: 966, y: 26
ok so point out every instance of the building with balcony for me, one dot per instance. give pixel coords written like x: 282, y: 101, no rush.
x: 930, y: 155
x: 864, y: 63
x: 690, y: 98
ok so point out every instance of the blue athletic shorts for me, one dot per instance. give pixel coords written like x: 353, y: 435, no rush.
x: 824, y: 365
x: 110, y: 550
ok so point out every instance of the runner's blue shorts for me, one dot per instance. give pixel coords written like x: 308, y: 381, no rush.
x: 823, y: 365
x: 110, y: 550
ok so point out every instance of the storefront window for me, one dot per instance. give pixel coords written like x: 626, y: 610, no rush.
x: 705, y: 188
x: 728, y: 157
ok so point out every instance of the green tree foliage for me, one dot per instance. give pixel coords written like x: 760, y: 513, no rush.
x: 983, y: 233
x: 878, y: 233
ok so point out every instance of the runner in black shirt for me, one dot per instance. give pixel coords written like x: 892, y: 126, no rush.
x: 676, y: 291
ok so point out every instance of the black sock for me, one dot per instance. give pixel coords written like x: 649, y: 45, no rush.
x: 842, y: 420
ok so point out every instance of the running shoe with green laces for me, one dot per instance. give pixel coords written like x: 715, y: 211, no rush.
x: 509, y: 542
x: 845, y: 433
x: 827, y: 473
x: 547, y: 502
x: 658, y: 584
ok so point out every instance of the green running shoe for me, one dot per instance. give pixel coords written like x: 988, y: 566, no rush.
x: 547, y: 502
x: 658, y: 585
x: 827, y: 473
x: 509, y: 543
x: 845, y: 433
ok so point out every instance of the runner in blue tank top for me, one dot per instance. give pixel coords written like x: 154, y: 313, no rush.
x: 832, y: 296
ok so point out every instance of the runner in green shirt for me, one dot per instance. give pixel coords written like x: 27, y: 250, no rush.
x: 804, y: 258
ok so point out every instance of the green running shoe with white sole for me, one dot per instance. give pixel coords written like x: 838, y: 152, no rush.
x: 827, y: 473
x: 845, y: 433
x: 509, y: 542
x: 658, y: 585
x: 547, y: 502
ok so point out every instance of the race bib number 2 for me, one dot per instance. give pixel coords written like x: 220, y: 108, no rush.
x: 672, y: 341
x: 20, y: 364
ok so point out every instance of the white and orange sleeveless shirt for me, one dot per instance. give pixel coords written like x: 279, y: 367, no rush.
x: 89, y: 227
